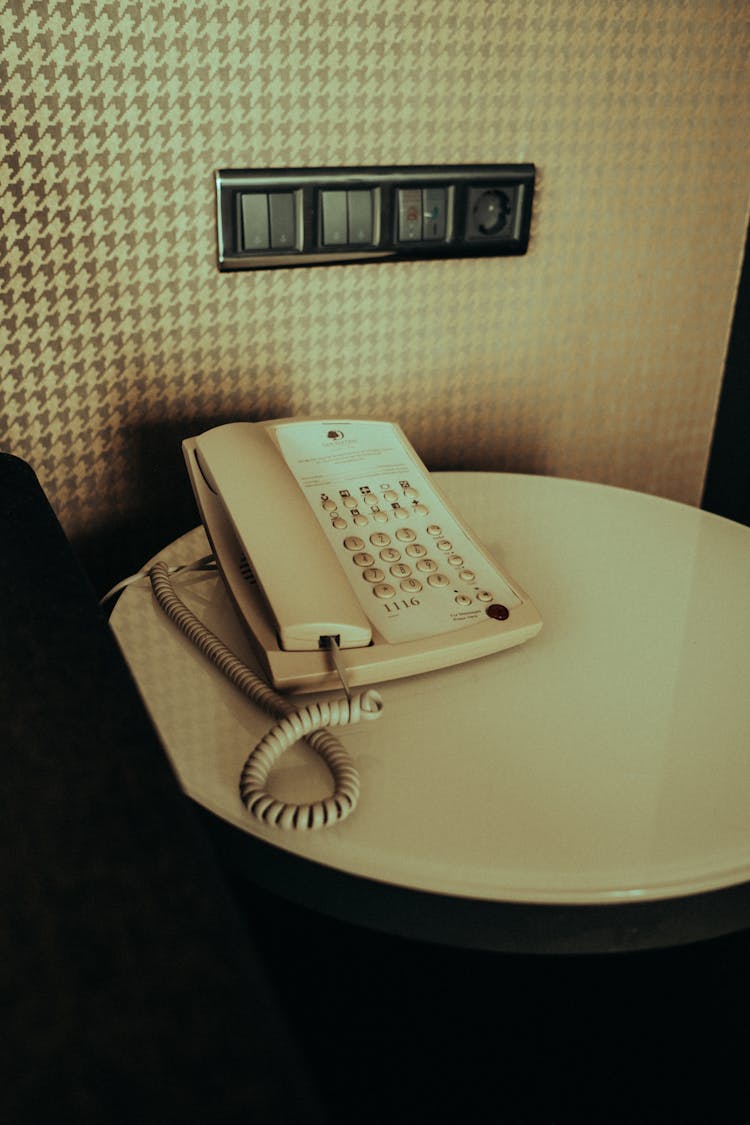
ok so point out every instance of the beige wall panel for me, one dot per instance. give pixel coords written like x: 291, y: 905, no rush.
x: 598, y: 355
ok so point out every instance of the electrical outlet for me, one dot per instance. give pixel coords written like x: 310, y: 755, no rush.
x: 490, y: 212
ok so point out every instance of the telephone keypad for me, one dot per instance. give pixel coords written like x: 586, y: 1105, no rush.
x: 399, y: 506
x: 428, y: 567
x: 421, y: 571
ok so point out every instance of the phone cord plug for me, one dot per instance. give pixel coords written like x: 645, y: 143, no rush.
x: 308, y: 723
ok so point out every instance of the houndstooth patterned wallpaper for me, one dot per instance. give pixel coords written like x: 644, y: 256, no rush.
x: 598, y: 355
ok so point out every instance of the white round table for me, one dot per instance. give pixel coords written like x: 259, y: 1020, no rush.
x: 588, y: 790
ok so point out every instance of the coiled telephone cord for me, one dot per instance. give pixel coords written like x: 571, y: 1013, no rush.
x: 308, y: 723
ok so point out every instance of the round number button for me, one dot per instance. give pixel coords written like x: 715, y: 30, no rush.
x: 411, y: 586
x: 380, y: 539
x: 363, y: 559
x: 438, y: 580
x: 406, y: 535
x: 383, y: 590
x: 354, y: 543
x: 372, y: 574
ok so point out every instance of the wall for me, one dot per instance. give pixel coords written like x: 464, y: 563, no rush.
x: 598, y: 355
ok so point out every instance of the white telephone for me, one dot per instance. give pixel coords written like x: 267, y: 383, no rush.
x: 349, y: 567
x: 334, y: 529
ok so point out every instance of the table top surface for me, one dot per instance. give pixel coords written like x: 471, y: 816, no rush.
x: 605, y: 761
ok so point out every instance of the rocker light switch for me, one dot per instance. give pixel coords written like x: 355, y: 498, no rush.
x: 433, y: 213
x: 281, y: 208
x: 333, y: 204
x: 360, y: 217
x: 254, y: 218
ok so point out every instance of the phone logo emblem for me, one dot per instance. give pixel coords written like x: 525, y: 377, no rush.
x: 334, y: 435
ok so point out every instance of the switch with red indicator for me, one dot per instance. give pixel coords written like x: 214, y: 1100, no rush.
x: 421, y: 214
x: 410, y: 215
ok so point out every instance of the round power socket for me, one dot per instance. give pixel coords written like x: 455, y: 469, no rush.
x: 489, y: 211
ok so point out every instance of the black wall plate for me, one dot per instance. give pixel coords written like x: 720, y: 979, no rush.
x: 270, y: 218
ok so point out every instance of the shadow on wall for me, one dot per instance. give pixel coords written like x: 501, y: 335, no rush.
x: 161, y: 506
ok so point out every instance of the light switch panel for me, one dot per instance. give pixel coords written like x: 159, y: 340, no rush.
x: 270, y: 218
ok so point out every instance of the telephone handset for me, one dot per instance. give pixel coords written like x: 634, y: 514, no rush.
x: 332, y: 533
